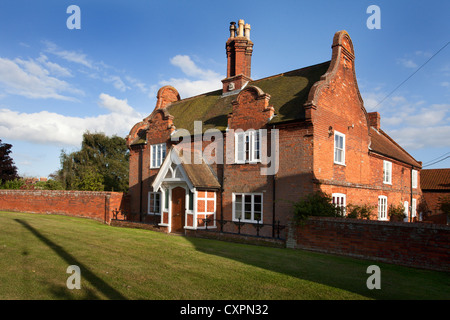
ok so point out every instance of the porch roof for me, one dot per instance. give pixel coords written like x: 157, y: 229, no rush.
x: 200, y: 175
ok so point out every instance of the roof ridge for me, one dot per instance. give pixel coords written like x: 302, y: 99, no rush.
x: 253, y: 81
x: 291, y: 71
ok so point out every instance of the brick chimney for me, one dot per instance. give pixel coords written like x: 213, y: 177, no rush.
x: 374, y: 120
x: 239, y: 50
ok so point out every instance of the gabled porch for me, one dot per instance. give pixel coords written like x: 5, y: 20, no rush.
x: 184, y: 193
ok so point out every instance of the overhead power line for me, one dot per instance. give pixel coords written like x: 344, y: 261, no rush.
x: 436, y: 158
x: 396, y: 88
x: 435, y: 162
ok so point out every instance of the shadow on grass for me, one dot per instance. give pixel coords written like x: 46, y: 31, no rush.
x: 345, y: 273
x: 87, y: 274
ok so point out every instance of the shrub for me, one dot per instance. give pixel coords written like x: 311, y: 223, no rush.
x: 444, y: 204
x: 315, y: 204
x: 359, y: 211
x: 396, y: 213
x: 12, y: 184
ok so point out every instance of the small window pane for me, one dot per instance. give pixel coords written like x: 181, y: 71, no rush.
x: 166, y: 200
x: 191, y: 201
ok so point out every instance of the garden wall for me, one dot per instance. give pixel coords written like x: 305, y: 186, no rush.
x: 89, y: 204
x: 419, y: 245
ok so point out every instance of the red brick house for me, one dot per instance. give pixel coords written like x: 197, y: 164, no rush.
x: 275, y: 140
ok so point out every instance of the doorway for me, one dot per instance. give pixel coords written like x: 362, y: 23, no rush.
x: 178, y: 209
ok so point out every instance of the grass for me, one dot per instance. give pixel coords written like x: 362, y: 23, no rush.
x: 122, y: 263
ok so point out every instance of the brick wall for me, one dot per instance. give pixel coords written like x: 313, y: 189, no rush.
x: 410, y: 244
x: 94, y: 205
x: 433, y: 198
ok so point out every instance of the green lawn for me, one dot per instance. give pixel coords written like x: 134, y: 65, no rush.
x: 122, y: 263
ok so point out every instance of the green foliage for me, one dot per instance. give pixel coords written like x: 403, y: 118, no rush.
x: 359, y: 211
x: 29, y: 184
x: 50, y: 184
x: 8, y: 170
x: 101, y: 164
x: 12, y: 184
x: 315, y: 204
x: 396, y: 213
x: 89, y: 179
x: 444, y: 205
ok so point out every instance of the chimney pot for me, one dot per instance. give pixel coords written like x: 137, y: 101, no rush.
x: 247, y: 31
x: 241, y: 28
x: 232, y: 29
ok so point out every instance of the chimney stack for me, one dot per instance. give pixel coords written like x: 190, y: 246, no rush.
x: 239, y: 49
x: 374, y: 120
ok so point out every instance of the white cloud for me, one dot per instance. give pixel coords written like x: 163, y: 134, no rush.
x: 117, y: 83
x: 188, y: 66
x: 56, y: 129
x: 431, y: 116
x: 54, y: 68
x: 115, y: 105
x: 204, y: 80
x: 408, y: 63
x: 30, y: 79
x: 71, y: 56
x: 414, y: 138
x: 138, y: 84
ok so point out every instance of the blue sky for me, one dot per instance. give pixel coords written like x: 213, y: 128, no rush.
x: 56, y: 83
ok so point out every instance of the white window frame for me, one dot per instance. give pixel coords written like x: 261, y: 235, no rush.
x: 207, y: 213
x: 413, y: 209
x: 382, y: 208
x: 338, y: 149
x: 156, y: 210
x: 414, y: 178
x: 387, y: 172
x: 157, y: 155
x: 247, y: 146
x: 406, y: 211
x: 205, y: 199
x: 252, y: 219
x: 340, y: 200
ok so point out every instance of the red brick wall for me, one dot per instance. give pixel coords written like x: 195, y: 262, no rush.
x: 337, y: 106
x: 432, y: 199
x: 94, y: 205
x: 410, y: 244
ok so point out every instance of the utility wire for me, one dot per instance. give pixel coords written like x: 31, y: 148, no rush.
x: 413, y: 74
x: 435, y: 162
x: 436, y: 158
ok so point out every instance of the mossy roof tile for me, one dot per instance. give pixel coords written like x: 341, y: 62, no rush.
x: 288, y: 91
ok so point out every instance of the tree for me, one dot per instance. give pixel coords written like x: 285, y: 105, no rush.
x: 8, y: 170
x: 444, y: 205
x: 101, y: 164
x: 316, y: 204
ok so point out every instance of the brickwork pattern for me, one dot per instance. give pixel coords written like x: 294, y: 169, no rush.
x: 95, y: 205
x: 410, y: 244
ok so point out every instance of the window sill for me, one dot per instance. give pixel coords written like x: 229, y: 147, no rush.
x: 248, y: 162
x: 248, y: 221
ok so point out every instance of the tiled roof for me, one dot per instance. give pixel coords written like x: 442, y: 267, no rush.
x: 201, y: 174
x: 288, y: 91
x: 382, y: 144
x: 435, y: 179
